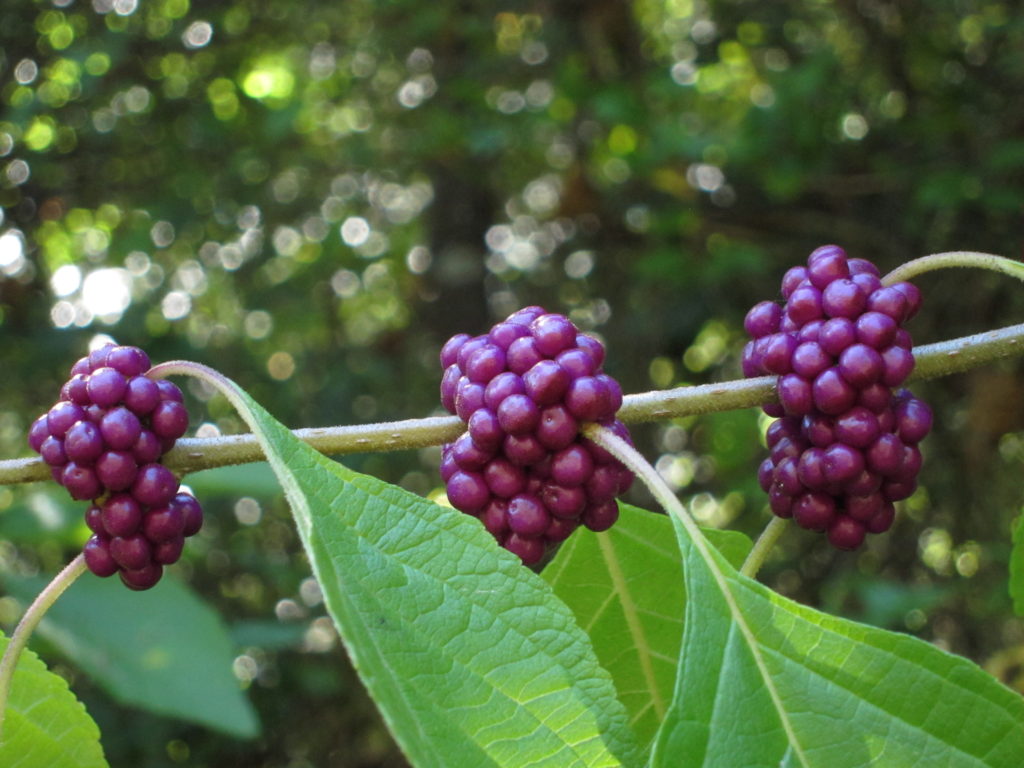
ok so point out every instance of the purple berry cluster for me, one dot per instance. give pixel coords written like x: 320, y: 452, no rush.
x: 846, y: 445
x: 522, y: 467
x: 103, y: 440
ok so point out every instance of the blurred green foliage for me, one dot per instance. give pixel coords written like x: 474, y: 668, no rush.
x: 312, y: 196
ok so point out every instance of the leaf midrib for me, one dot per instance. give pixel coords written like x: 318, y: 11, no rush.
x: 636, y: 629
x: 697, y: 540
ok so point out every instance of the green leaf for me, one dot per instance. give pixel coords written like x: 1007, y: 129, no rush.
x: 764, y: 681
x: 253, y: 479
x: 45, y: 725
x: 625, y: 587
x: 470, y: 657
x: 1017, y: 566
x: 163, y: 650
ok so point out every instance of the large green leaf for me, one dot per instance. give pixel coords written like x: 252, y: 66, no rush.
x: 470, y: 657
x: 625, y: 587
x: 764, y: 681
x: 45, y: 725
x: 163, y: 650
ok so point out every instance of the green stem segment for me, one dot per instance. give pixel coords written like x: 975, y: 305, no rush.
x: 989, y: 261
x: 28, y: 623
x: 763, y: 546
x: 632, y: 459
x: 193, y: 454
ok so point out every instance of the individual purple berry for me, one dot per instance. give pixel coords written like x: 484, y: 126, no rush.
x: 876, y: 329
x: 557, y: 428
x: 191, y: 511
x: 861, y: 365
x: 897, y: 364
x: 485, y: 429
x: 552, y: 334
x: 80, y: 481
x: 62, y: 416
x: 565, y: 502
x: 168, y: 552
x: 116, y: 470
x: 572, y: 466
x: 527, y: 515
x: 485, y: 363
x: 83, y: 442
x: 38, y: 432
x: 106, y: 387
x: 154, y: 485
x: 450, y: 350
x: 164, y: 523
x: 97, y: 556
x: 128, y: 361
x: 763, y: 319
x: 589, y: 399
x: 846, y: 533
x: 777, y: 354
x: 831, y: 393
x: 468, y: 397
x: 147, y: 448
x: 169, y: 420
x: 913, y: 418
x: 449, y: 385
x: 529, y: 549
x: 169, y: 391
x: 523, y: 450
x: 503, y: 334
x: 795, y: 394
x: 576, y: 362
x: 857, y: 427
x: 843, y: 298
x: 836, y: 335
x: 826, y: 265
x: 546, y: 382
x: 120, y: 428
x: 504, y: 479
x: 94, y: 519
x: 601, y: 517
x: 522, y: 355
x: 142, y: 578
x: 794, y: 277
x: 804, y: 305
x: 131, y: 552
x: 468, y: 491
x: 501, y: 386
x: 889, y: 301
x: 121, y: 515
x: 814, y: 510
x: 518, y: 414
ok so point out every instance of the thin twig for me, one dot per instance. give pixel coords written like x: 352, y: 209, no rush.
x: 194, y: 454
x: 28, y: 623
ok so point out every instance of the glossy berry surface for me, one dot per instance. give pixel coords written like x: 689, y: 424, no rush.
x: 524, y: 389
x: 103, y: 441
x: 845, y: 445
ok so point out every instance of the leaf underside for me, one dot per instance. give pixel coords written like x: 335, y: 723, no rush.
x: 764, y: 681
x: 626, y: 588
x: 45, y: 725
x: 470, y: 657
x: 164, y: 650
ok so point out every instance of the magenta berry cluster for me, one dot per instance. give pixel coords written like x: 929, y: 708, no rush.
x: 846, y: 444
x: 103, y: 441
x: 522, y: 467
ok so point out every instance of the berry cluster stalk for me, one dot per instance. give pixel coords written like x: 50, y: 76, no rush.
x: 28, y: 623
